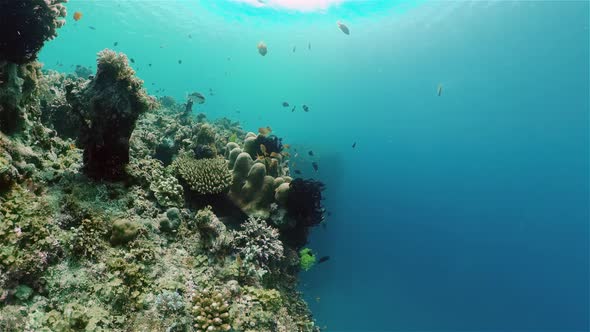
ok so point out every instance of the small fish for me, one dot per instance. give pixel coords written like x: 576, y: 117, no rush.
x: 298, y: 172
x: 264, y: 130
x: 149, y: 64
x: 296, y: 154
x: 315, y: 166
x: 439, y: 90
x: 91, y: 27
x: 343, y: 28
x: 287, y: 146
x: 285, y: 104
x: 309, y: 46
x: 354, y: 145
x: 323, y: 259
x: 293, y: 110
x: 211, y: 92
x: 317, y: 299
x: 294, y: 49
x: 274, y: 155
x: 77, y: 16
x: 259, y: 157
x: 310, y: 153
x: 286, y: 154
x: 305, y: 108
x: 115, y: 43
x: 179, y: 62
x: 190, y: 37
x: 262, y: 49
x: 197, y: 97
x: 263, y: 149
x: 132, y: 60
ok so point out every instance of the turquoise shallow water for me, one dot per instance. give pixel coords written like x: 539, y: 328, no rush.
x: 467, y: 211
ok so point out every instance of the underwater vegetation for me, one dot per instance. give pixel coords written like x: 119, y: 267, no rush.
x: 120, y: 211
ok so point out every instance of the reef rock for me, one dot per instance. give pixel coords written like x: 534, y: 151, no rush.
x: 108, y: 106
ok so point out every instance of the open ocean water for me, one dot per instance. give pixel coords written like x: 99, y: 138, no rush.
x: 460, y: 212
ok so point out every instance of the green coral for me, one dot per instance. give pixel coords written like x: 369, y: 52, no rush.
x: 123, y: 231
x: 204, y: 176
x: 306, y: 259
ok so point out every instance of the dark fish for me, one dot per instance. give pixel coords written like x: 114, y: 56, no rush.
x: 92, y: 28
x: 329, y: 213
x: 315, y: 166
x: 343, y: 28
x: 354, y: 145
x: 179, y: 62
x: 293, y: 110
x: 298, y: 172
x: 310, y: 153
x: 197, y: 97
x: 285, y: 104
x: 323, y: 259
x: 305, y: 108
x: 190, y: 37
x: 132, y: 60
x: 115, y: 43
x: 309, y: 46
x: 294, y: 49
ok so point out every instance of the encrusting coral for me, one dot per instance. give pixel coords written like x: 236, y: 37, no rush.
x: 108, y: 106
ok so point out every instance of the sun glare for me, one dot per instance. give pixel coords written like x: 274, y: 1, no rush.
x: 301, y: 5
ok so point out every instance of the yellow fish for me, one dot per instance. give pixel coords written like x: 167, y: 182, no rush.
x: 274, y: 154
x: 263, y: 149
x: 264, y: 131
x: 287, y: 146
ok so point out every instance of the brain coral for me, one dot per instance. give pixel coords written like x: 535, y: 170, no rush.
x: 205, y: 176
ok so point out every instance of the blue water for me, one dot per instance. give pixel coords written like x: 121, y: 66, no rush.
x: 467, y: 211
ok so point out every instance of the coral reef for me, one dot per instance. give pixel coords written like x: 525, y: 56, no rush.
x: 108, y: 106
x: 146, y: 253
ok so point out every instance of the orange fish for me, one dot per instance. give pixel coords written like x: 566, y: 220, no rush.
x: 77, y: 16
x: 264, y: 131
x: 263, y: 149
x: 259, y: 157
x: 286, y: 154
x: 287, y: 146
x: 274, y: 154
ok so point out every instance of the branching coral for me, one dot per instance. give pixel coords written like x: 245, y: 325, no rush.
x: 26, y: 25
x: 259, y: 246
x: 108, y: 106
x: 211, y: 311
x: 204, y: 176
